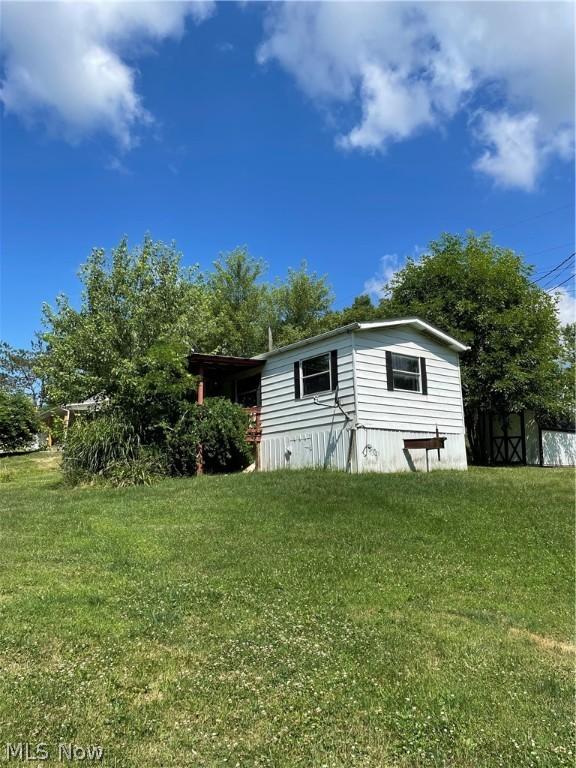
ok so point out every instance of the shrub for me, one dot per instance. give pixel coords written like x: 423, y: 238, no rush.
x: 218, y: 425
x: 222, y: 427
x: 104, y: 447
x: 19, y: 424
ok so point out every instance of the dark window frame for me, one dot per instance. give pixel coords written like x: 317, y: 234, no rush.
x: 414, y: 375
x: 331, y: 369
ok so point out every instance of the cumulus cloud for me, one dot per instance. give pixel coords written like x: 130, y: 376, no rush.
x: 65, y: 64
x: 412, y: 66
x: 513, y: 157
x: 565, y: 306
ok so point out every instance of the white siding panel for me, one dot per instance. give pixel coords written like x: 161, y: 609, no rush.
x: 300, y: 433
x: 407, y: 411
x: 381, y: 450
x: 317, y: 448
x: 281, y: 412
x: 558, y: 448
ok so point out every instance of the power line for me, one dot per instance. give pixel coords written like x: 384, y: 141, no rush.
x: 551, y: 271
x: 547, y: 250
x: 557, y: 275
x: 533, y: 218
x: 570, y: 277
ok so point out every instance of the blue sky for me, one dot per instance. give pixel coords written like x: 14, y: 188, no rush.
x: 305, y: 132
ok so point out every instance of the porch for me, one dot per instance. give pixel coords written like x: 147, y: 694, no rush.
x: 235, y: 378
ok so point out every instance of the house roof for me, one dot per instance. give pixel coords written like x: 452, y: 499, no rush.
x: 93, y: 403
x: 449, y: 341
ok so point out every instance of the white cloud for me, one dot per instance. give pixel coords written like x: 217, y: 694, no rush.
x: 65, y: 63
x: 391, y: 110
x: 375, y: 286
x: 513, y: 157
x: 413, y: 66
x: 565, y: 306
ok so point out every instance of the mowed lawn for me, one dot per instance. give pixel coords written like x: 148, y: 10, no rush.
x: 290, y: 619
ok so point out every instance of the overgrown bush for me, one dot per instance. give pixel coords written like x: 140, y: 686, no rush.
x: 105, y: 447
x: 19, y: 424
x: 220, y: 427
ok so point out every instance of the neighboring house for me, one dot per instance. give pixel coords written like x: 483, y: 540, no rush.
x: 349, y: 399
x: 91, y: 405
x: 518, y: 438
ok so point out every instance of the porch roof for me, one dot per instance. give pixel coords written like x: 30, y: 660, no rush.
x: 226, y: 364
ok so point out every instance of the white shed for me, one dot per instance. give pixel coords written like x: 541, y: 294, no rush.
x: 518, y: 438
x: 350, y: 399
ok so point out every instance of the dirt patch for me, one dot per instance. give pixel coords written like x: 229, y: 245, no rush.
x: 541, y: 641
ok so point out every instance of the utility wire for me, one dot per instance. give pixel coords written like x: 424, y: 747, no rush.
x: 571, y: 277
x: 555, y: 269
x: 533, y: 218
x: 547, y: 250
x: 557, y: 275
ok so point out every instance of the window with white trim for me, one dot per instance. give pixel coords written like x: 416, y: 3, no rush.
x: 406, y: 372
x: 316, y: 374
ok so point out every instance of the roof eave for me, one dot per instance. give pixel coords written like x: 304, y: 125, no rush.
x: 448, y: 340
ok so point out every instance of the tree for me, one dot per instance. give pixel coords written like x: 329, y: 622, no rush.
x: 564, y: 414
x: 19, y: 423
x: 240, y: 305
x: 362, y: 310
x: 482, y: 294
x: 301, y: 304
x: 18, y: 371
x: 140, y: 314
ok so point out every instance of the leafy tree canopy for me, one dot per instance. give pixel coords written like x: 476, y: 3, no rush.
x: 18, y: 371
x: 19, y: 423
x: 483, y: 295
x: 140, y: 313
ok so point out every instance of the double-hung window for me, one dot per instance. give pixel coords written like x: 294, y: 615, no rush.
x: 406, y: 373
x: 313, y: 375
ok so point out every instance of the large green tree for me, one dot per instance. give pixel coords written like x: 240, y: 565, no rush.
x: 243, y: 306
x: 140, y: 314
x: 301, y: 304
x: 483, y: 295
x: 239, y: 305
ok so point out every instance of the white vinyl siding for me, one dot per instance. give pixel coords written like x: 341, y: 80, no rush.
x: 402, y: 410
x: 282, y: 412
x: 558, y: 448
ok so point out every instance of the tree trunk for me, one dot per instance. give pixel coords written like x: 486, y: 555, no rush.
x: 475, y: 433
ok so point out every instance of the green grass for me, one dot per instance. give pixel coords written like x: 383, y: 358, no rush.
x: 291, y: 619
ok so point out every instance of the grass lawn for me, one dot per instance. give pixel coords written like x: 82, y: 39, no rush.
x: 290, y: 619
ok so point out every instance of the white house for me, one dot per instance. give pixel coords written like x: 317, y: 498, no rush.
x: 367, y: 397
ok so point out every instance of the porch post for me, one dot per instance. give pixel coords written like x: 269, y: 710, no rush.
x: 200, y: 398
x: 200, y: 401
